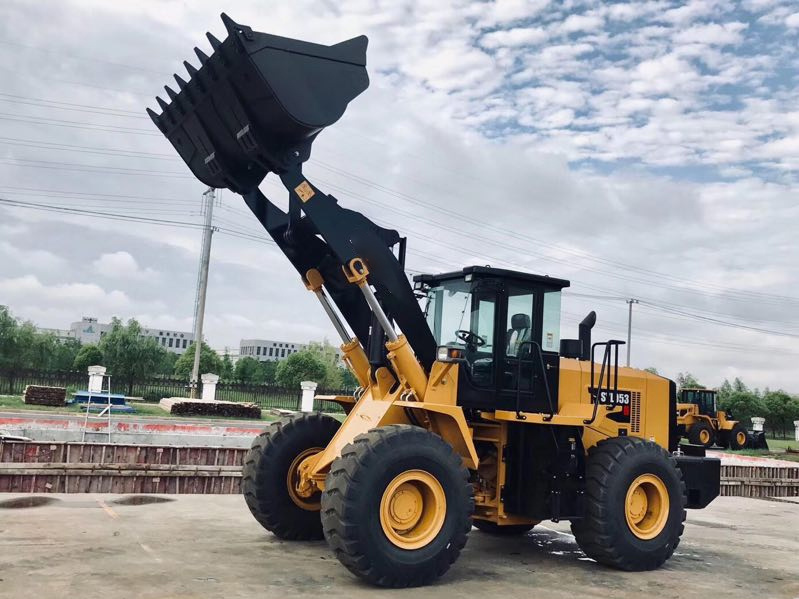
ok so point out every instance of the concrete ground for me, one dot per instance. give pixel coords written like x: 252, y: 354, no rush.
x: 96, y: 547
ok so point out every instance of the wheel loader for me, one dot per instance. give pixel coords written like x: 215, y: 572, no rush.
x: 699, y: 419
x: 471, y: 410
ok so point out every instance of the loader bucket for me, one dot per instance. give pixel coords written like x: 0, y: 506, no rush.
x: 257, y: 102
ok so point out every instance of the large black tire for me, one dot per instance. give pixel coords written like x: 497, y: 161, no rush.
x: 698, y: 431
x: 508, y: 530
x: 613, y: 467
x: 266, y: 474
x: 737, y: 435
x: 355, y: 494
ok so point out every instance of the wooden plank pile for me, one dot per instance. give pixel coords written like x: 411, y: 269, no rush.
x: 181, y: 406
x: 38, y: 395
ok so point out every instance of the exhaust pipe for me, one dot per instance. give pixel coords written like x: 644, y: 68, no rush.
x: 585, y: 335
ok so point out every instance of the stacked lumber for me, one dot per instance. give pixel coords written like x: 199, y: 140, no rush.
x: 39, y: 395
x: 181, y: 406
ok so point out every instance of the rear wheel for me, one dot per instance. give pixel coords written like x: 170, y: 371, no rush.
x: 635, y: 505
x: 493, y: 528
x: 739, y: 438
x: 270, y: 475
x: 397, y: 506
x: 702, y: 434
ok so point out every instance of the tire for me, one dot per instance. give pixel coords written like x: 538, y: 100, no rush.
x: 361, y: 491
x: 507, y: 530
x: 614, y: 468
x: 739, y: 438
x: 266, y: 474
x: 698, y: 431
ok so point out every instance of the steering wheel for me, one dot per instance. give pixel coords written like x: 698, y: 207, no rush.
x: 472, y: 340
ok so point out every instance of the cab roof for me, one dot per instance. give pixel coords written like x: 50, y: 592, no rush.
x: 489, y: 272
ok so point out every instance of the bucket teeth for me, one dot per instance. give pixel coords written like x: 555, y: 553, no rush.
x: 189, y: 68
x: 215, y: 43
x: 155, y: 118
x: 170, y: 92
x: 201, y: 55
x: 180, y: 82
x: 164, y: 106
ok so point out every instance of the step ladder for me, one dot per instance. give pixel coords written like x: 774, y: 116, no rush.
x: 104, y: 414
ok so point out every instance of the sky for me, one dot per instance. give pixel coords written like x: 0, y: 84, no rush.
x: 642, y: 150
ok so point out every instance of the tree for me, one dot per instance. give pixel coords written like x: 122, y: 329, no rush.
x: 248, y: 370
x: 329, y: 357
x: 305, y: 365
x: 688, y: 381
x: 743, y: 405
x: 129, y: 355
x: 167, y: 365
x: 64, y: 353
x: 23, y: 346
x: 782, y: 411
x: 228, y: 369
x: 269, y: 372
x: 348, y: 380
x: 89, y: 355
x: 651, y: 370
x: 209, y: 361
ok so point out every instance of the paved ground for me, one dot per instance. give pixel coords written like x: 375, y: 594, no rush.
x: 93, y: 547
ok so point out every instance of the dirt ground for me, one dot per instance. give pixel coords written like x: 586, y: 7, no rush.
x: 209, y: 546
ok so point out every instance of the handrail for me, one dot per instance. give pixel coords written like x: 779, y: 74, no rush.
x: 605, y: 362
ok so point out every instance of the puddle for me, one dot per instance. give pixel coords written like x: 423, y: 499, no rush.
x: 25, y: 502
x: 141, y: 500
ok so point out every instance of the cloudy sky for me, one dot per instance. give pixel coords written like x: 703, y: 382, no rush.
x: 645, y: 149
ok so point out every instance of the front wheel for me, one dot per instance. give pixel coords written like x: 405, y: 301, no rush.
x: 635, y: 505
x: 269, y: 478
x: 739, y: 438
x: 702, y: 434
x: 397, y: 506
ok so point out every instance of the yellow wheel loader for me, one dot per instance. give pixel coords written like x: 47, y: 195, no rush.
x: 471, y: 410
x: 699, y: 419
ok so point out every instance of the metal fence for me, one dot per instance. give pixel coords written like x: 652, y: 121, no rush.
x: 154, y: 389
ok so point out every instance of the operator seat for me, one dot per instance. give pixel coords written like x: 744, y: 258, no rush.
x: 518, y: 334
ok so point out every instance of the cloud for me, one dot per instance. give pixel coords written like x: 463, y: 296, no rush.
x: 121, y: 265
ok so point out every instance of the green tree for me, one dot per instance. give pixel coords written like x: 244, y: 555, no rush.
x: 782, y: 411
x: 651, y: 370
x: 248, y: 370
x: 688, y: 381
x: 743, y: 405
x: 348, y: 380
x: 228, y: 369
x: 64, y: 353
x: 305, y: 365
x: 129, y: 355
x: 89, y: 355
x: 166, y: 366
x: 209, y: 361
x: 329, y: 357
x: 269, y: 372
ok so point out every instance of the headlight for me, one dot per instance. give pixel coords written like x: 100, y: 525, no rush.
x: 449, y: 354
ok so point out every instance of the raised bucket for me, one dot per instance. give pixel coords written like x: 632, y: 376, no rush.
x: 257, y: 102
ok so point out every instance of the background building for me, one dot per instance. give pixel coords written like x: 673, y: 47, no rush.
x: 89, y: 330
x: 266, y: 350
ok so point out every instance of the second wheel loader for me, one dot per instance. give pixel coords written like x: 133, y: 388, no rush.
x: 699, y: 419
x: 471, y: 411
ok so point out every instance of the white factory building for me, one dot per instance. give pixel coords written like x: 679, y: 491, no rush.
x: 266, y: 350
x: 89, y: 330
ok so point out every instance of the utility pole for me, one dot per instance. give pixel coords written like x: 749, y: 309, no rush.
x: 202, y: 286
x: 630, y: 301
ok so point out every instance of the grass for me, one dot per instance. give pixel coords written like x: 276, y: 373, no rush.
x: 14, y: 403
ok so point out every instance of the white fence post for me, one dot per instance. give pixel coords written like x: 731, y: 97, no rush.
x: 209, y: 386
x: 796, y: 426
x: 96, y: 374
x: 308, y: 391
x: 757, y: 424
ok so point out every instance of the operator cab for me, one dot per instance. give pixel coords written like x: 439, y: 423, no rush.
x: 704, y: 399
x: 507, y: 326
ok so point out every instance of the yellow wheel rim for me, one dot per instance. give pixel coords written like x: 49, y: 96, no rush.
x: 647, y: 506
x: 412, y: 509
x: 741, y: 438
x: 307, y: 501
x: 704, y: 436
